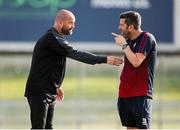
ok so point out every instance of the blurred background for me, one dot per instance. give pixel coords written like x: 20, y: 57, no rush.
x: 90, y: 91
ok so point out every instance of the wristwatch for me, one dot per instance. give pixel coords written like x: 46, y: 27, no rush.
x: 124, y: 46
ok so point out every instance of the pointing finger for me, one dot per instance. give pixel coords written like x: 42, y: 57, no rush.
x: 114, y: 34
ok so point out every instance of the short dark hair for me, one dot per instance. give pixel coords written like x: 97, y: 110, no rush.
x: 132, y: 18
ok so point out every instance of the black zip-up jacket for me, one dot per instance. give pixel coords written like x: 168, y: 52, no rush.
x: 49, y: 62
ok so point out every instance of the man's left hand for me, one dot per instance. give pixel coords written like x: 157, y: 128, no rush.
x: 60, y: 94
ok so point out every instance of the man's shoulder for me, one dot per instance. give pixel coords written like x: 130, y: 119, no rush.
x: 150, y: 35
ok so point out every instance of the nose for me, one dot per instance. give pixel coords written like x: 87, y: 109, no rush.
x: 73, y: 26
x: 119, y: 27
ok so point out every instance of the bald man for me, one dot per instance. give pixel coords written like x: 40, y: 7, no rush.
x: 48, y: 69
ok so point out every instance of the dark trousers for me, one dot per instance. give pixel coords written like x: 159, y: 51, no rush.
x: 42, y: 111
x: 135, y: 111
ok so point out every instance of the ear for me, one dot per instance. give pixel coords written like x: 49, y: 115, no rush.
x: 131, y: 27
x: 61, y: 24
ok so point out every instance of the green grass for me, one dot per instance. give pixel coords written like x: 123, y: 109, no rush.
x: 97, y: 87
x: 13, y: 87
x: 86, y: 81
x: 89, y: 88
x: 93, y: 84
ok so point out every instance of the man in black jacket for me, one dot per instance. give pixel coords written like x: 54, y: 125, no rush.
x: 48, y: 69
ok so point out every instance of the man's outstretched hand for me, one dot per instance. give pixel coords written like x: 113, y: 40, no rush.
x: 113, y: 60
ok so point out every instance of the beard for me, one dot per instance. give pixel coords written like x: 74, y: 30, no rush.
x: 126, y: 34
x: 66, y: 31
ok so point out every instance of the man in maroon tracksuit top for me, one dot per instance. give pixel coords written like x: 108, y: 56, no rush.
x: 136, y: 80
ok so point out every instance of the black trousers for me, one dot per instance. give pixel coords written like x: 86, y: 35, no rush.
x: 41, y: 111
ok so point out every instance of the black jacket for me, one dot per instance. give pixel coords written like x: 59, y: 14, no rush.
x: 49, y: 62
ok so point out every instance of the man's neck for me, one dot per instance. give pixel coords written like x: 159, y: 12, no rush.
x: 57, y: 29
x: 135, y: 34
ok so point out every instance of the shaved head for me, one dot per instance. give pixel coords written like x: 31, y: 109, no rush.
x: 64, y: 22
x: 64, y: 14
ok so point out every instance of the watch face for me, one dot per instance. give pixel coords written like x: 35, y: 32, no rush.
x: 124, y: 46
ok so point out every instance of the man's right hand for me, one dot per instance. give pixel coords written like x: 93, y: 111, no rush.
x: 113, y: 60
x: 119, y: 39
